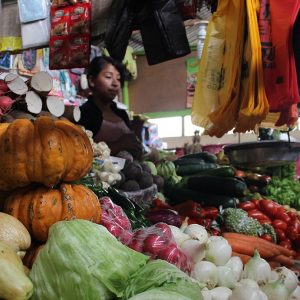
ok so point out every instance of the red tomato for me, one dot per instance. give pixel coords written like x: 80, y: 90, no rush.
x: 267, y: 237
x: 282, y: 215
x: 286, y: 244
x: 268, y: 207
x: 295, y: 223
x: 279, y: 224
x: 291, y: 233
x: 256, y: 202
x: 292, y: 215
x: 257, y: 214
x: 280, y: 235
x: 247, y: 205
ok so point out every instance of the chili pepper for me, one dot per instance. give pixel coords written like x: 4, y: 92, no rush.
x: 157, y: 203
x: 267, y: 237
x: 257, y: 214
x: 291, y: 233
x: 210, y: 212
x: 214, y: 231
x: 247, y: 205
x: 189, y: 209
x: 268, y: 207
x: 279, y: 224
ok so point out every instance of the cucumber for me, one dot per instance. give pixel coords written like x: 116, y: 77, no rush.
x: 188, y: 161
x: 190, y: 169
x: 218, y: 185
x: 177, y: 195
x: 207, y: 156
x: 225, y: 171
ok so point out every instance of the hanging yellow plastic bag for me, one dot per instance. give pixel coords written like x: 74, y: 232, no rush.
x: 254, y: 106
x: 210, y: 72
x: 216, y: 100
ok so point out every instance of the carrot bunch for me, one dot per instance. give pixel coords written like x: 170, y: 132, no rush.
x: 245, y: 245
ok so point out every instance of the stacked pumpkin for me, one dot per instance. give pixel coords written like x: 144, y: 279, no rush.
x: 39, y: 161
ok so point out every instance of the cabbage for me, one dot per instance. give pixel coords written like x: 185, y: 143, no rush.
x: 82, y: 260
x: 159, y: 274
x: 159, y: 294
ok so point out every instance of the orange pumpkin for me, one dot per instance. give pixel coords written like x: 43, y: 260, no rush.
x: 41, y: 207
x: 44, y: 151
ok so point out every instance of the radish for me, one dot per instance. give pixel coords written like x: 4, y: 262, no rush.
x: 42, y: 82
x: 5, y: 104
x: 154, y: 243
x: 16, y: 84
x: 55, y: 106
x: 170, y: 253
x: 165, y: 229
x: 34, y: 102
x: 136, y: 245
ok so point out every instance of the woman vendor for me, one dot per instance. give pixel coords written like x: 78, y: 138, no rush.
x: 100, y: 113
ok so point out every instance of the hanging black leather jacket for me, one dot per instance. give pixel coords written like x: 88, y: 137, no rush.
x: 162, y: 29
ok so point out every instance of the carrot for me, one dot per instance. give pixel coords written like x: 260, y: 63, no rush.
x: 274, y: 264
x: 284, y: 260
x: 247, y: 248
x: 245, y: 258
x: 258, y: 240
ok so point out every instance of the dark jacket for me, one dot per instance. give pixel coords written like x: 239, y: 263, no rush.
x: 162, y: 29
x: 91, y: 116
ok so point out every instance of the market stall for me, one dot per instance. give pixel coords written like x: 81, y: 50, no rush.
x: 77, y: 222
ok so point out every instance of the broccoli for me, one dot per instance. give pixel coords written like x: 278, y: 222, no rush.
x: 237, y: 220
x: 268, y: 229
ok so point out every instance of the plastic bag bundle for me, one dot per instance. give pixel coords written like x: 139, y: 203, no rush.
x: 115, y: 220
x: 254, y: 104
x: 157, y: 242
x: 276, y: 22
x: 230, y: 90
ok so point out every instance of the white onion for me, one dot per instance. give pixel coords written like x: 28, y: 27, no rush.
x: 221, y: 293
x: 226, y: 277
x: 247, y: 293
x: 257, y: 269
x: 206, y: 273
x: 194, y: 249
x: 276, y: 290
x: 236, y: 265
x: 218, y: 251
x: 178, y: 235
x: 198, y: 232
x: 290, y: 280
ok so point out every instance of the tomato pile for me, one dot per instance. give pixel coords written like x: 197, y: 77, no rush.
x: 285, y: 223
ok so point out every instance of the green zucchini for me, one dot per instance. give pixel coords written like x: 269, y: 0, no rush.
x: 177, y: 195
x: 218, y: 185
x: 188, y: 161
x: 183, y: 170
x: 207, y: 156
x: 225, y: 171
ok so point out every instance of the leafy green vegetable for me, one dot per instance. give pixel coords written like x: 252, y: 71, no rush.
x: 160, y: 294
x: 159, y: 274
x: 82, y: 260
x: 284, y: 191
x: 237, y: 220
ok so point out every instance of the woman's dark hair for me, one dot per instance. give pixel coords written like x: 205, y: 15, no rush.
x: 97, y: 64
